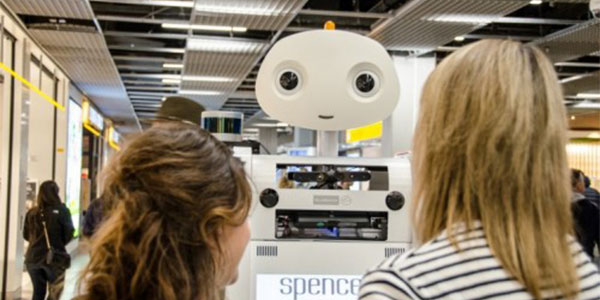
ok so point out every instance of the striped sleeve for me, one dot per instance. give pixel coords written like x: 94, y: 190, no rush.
x: 386, y: 284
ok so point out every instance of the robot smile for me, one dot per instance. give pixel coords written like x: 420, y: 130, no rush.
x: 328, y: 117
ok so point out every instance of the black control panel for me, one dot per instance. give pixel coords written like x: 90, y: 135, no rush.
x: 331, y: 225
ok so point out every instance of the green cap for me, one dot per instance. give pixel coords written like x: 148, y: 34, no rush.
x: 176, y: 108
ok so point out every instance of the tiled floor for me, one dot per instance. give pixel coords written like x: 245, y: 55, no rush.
x: 77, y: 264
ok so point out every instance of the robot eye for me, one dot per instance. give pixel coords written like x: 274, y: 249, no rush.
x: 289, y: 81
x: 366, y: 84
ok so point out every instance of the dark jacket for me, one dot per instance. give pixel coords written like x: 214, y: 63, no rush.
x: 93, y: 217
x: 586, y: 215
x: 60, y: 231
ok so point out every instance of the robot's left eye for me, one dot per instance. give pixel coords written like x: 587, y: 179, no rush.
x: 289, y: 81
x: 366, y: 84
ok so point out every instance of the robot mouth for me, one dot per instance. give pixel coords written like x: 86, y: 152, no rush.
x: 325, y: 117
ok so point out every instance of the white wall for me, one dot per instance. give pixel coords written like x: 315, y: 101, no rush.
x: 41, y: 129
x: 31, y: 148
x: 398, y: 128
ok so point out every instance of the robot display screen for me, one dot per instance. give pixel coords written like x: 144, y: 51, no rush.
x: 332, y: 177
x: 223, y: 125
x: 307, y: 287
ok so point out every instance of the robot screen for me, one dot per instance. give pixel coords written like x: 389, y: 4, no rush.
x: 332, y: 177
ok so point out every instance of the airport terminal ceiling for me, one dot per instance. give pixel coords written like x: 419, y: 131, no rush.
x: 127, y: 55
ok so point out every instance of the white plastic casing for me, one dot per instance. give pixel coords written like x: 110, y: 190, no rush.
x: 327, y: 63
x: 297, y: 258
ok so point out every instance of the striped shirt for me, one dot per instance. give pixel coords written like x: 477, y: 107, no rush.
x: 436, y: 270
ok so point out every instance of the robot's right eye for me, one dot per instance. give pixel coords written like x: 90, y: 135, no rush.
x: 288, y: 80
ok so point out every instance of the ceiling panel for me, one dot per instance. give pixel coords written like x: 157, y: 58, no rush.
x: 423, y: 25
x: 75, y: 9
x: 88, y: 63
x: 571, y: 43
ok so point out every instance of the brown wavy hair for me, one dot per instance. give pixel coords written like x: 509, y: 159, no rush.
x: 167, y: 195
x: 490, y: 146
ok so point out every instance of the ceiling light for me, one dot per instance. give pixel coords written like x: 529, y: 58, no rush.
x: 173, y: 66
x: 572, y: 117
x: 202, y: 93
x: 572, y: 78
x: 208, y: 78
x: 463, y: 18
x: 535, y: 2
x: 203, y: 27
x: 459, y: 38
x: 594, y: 135
x: 228, y: 9
x: 587, y: 105
x: 164, y: 98
x: 169, y: 80
x: 174, y: 3
x: 224, y: 45
x: 587, y: 96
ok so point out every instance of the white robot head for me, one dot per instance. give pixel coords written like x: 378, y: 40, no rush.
x: 327, y: 80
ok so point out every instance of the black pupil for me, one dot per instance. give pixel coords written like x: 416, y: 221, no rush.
x: 365, y: 83
x: 288, y: 80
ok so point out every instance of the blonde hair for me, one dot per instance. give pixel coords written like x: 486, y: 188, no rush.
x: 490, y: 147
x: 167, y: 197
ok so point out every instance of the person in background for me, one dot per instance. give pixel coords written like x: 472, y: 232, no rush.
x: 173, y: 109
x: 177, y: 203
x: 49, y: 218
x: 590, y: 192
x: 92, y: 218
x: 586, y: 215
x: 179, y: 109
x: 491, y: 191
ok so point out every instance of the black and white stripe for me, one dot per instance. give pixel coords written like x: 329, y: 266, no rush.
x: 437, y: 270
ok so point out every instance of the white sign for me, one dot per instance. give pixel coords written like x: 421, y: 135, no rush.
x: 115, y: 136
x: 96, y: 119
x: 307, y: 287
x: 74, y: 153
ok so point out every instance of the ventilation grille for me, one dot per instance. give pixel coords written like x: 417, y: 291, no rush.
x: 393, y: 251
x: 266, y: 251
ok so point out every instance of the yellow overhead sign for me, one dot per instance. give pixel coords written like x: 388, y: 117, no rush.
x: 364, y: 133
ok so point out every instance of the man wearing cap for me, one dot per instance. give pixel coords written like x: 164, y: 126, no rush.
x: 179, y: 109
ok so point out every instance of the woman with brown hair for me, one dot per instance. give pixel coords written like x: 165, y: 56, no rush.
x: 491, y: 196
x: 177, y: 203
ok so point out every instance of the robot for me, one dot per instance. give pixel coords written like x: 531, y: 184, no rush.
x: 319, y: 223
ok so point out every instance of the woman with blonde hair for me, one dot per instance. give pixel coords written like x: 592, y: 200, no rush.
x: 176, y: 226
x: 491, y: 196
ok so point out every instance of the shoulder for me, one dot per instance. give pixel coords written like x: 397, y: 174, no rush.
x: 434, y: 269
x: 387, y: 281
x: 589, y: 276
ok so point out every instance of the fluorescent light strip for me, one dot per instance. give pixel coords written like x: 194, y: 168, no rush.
x: 203, y: 27
x: 173, y: 66
x: 207, y: 78
x: 588, y: 96
x: 202, y: 93
x: 535, y: 2
x: 573, y: 78
x: 463, y: 18
x: 169, y: 80
x: 222, y: 45
x: 227, y: 9
x: 587, y: 104
x: 32, y: 87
